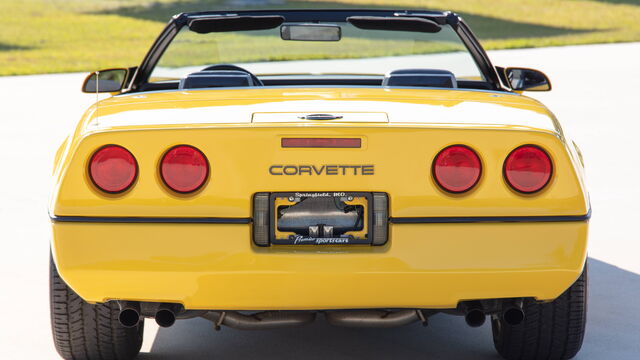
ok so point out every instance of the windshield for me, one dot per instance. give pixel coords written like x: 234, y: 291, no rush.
x: 358, y: 52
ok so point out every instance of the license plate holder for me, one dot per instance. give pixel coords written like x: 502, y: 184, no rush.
x: 321, y: 218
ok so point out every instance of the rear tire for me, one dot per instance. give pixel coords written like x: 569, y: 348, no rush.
x: 552, y: 330
x: 85, y: 331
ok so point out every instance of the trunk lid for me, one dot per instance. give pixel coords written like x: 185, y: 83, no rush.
x: 289, y: 107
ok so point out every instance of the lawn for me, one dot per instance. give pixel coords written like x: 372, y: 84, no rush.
x: 49, y: 36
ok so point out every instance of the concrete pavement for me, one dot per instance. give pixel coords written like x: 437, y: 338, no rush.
x: 595, y: 97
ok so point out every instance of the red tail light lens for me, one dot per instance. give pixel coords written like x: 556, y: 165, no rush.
x: 113, y: 169
x: 457, y: 168
x: 184, y: 169
x: 528, y: 169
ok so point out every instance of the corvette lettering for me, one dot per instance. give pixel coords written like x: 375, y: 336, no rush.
x: 322, y: 170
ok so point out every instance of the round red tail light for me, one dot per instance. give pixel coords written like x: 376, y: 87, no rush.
x: 457, y: 168
x: 184, y: 169
x: 113, y: 169
x: 528, y: 169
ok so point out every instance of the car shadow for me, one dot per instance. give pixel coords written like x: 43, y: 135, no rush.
x: 612, y: 332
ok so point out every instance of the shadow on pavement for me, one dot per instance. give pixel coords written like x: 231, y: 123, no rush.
x: 612, y: 332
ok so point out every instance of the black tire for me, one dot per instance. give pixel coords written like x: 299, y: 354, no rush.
x: 552, y: 330
x: 85, y: 331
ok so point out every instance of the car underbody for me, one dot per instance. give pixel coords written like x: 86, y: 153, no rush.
x: 474, y: 312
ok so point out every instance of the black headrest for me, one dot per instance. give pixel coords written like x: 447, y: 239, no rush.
x: 216, y: 78
x: 420, y: 78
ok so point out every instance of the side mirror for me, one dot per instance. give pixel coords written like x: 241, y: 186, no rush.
x: 105, y: 81
x: 523, y: 79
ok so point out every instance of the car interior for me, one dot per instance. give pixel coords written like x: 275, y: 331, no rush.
x: 232, y: 76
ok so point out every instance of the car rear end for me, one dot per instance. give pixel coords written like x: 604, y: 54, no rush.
x: 320, y: 215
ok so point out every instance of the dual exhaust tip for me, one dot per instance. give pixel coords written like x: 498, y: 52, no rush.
x: 129, y: 317
x: 512, y: 314
x: 130, y: 314
x: 165, y: 314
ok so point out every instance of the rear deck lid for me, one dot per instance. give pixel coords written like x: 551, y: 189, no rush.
x: 314, y: 117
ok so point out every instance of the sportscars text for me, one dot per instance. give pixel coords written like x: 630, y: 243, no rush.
x: 322, y: 170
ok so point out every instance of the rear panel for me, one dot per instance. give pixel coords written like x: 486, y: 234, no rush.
x: 249, y: 159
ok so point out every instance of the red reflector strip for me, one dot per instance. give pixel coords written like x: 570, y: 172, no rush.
x: 321, y: 143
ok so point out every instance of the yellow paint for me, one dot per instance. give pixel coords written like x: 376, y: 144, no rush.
x: 240, y: 157
x: 215, y: 266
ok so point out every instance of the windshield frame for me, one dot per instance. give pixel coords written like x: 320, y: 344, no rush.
x: 141, y: 78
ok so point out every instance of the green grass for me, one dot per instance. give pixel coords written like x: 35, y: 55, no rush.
x: 192, y: 49
x: 48, y: 36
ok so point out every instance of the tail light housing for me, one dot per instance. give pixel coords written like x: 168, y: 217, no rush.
x: 457, y: 168
x: 184, y: 169
x: 113, y: 169
x: 528, y: 169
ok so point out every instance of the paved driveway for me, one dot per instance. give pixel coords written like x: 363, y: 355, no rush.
x: 596, y: 98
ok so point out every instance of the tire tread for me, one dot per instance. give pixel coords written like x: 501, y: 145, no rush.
x: 550, y: 331
x: 82, y: 331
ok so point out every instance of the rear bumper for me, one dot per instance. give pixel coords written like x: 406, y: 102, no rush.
x: 215, y: 266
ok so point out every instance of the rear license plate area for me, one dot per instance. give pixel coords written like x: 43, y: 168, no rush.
x: 321, y: 218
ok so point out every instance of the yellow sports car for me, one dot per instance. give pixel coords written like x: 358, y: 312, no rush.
x: 263, y: 168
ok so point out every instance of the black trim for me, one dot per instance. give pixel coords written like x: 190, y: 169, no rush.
x: 141, y: 78
x: 151, y: 220
x: 478, y: 53
x: 204, y: 25
x: 397, y: 23
x: 503, y: 77
x: 393, y: 220
x: 482, y: 219
x: 155, y: 52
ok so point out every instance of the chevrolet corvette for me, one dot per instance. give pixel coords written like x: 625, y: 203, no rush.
x: 261, y: 169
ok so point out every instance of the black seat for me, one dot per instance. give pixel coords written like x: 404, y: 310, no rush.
x: 216, y: 78
x: 420, y: 78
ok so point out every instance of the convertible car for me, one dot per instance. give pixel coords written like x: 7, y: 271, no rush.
x: 261, y: 169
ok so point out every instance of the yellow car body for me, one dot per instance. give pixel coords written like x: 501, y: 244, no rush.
x: 152, y: 244
x: 369, y: 166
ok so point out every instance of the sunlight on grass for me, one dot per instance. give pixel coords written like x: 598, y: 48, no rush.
x: 190, y: 49
x: 45, y: 36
